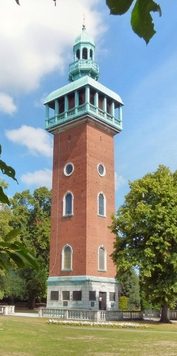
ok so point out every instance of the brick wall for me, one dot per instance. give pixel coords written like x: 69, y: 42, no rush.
x: 85, y: 145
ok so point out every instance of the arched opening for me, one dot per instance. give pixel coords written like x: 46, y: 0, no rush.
x: 101, y: 204
x: 68, y: 204
x: 92, y: 96
x: 84, y: 53
x: 67, y: 253
x: 81, y: 95
x: 78, y: 54
x: 101, y: 258
x: 91, y: 54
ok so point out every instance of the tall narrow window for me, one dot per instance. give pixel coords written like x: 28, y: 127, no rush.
x: 101, y: 258
x: 67, y: 258
x: 78, y: 53
x: 91, y: 54
x: 84, y: 53
x: 68, y: 204
x: 101, y: 204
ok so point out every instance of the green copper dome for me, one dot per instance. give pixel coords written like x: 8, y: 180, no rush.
x: 84, y: 58
x: 84, y: 37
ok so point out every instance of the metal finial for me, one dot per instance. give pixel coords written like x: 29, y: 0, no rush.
x: 83, y: 23
x: 55, y: 2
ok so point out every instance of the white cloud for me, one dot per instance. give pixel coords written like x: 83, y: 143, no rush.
x: 7, y: 104
x: 119, y: 181
x: 36, y: 35
x: 38, y: 178
x: 36, y: 140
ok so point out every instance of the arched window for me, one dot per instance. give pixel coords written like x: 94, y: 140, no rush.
x: 68, y: 204
x: 91, y: 54
x: 67, y: 254
x: 101, y: 258
x: 78, y: 53
x: 84, y: 53
x: 101, y: 204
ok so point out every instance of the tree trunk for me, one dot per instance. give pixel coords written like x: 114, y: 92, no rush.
x: 164, y: 314
x: 31, y: 303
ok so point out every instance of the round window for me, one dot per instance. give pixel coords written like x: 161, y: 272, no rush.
x: 68, y: 169
x: 101, y: 169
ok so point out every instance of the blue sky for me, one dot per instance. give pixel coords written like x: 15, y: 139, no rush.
x: 36, y: 49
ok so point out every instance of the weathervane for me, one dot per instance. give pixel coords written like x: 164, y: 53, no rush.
x: 83, y: 23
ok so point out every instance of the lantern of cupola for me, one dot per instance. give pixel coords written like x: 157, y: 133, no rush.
x: 84, y: 58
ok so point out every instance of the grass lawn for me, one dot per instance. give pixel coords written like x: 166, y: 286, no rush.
x: 34, y: 336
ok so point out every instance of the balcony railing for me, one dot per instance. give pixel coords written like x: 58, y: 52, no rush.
x: 84, y: 64
x: 86, y: 108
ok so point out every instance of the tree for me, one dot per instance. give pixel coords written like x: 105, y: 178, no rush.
x: 31, y: 215
x: 129, y: 287
x: 12, y: 250
x: 13, y: 285
x: 146, y: 236
x: 141, y: 19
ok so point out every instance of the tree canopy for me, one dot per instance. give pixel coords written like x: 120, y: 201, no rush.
x: 146, y: 236
x: 29, y: 215
x: 141, y: 18
x: 12, y: 249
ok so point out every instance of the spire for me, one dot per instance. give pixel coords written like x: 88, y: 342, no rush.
x: 84, y: 57
x: 83, y: 24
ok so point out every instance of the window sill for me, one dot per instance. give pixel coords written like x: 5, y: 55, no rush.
x: 68, y: 216
x: 66, y: 270
x: 101, y: 216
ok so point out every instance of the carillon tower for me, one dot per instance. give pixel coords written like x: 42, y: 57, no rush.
x: 83, y: 116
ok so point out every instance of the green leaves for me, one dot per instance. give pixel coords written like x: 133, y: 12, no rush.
x: 8, y: 171
x: 3, y: 197
x: 146, y: 234
x: 141, y: 18
x: 118, y: 7
x: 12, y: 250
x: 18, y: 2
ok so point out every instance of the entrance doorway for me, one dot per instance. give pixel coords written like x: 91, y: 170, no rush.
x: 102, y: 300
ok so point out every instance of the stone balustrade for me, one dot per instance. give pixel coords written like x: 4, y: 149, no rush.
x: 89, y: 315
x: 7, y: 309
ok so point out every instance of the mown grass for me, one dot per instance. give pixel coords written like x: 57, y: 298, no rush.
x: 35, y: 337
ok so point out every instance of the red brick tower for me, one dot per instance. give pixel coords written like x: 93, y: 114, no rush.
x: 86, y: 117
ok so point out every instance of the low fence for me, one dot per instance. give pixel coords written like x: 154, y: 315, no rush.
x: 7, y: 309
x: 90, y: 315
x: 155, y: 314
x: 172, y: 314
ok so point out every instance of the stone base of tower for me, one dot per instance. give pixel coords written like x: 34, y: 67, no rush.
x: 82, y: 292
